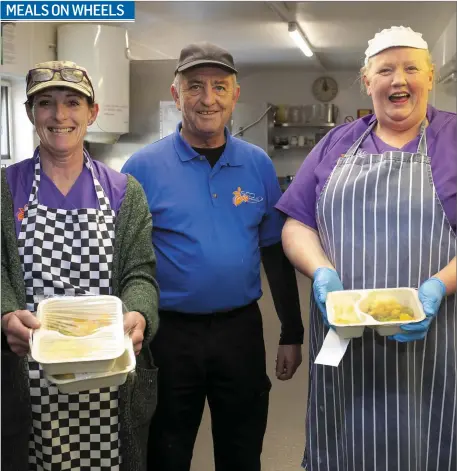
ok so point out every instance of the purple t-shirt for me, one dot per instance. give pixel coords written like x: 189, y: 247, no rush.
x: 299, y: 201
x: 81, y: 195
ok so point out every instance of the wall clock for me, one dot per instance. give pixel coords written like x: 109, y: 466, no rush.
x: 325, y: 89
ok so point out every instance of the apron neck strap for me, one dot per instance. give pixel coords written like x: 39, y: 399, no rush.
x: 355, y: 147
x: 33, y: 198
x: 421, y: 148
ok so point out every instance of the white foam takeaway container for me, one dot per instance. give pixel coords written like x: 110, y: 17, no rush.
x: 95, y: 353
x: 359, y: 299
x: 115, y: 377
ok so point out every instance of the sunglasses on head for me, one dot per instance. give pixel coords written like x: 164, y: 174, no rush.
x: 68, y: 74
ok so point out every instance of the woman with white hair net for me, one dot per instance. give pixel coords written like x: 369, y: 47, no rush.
x: 374, y: 206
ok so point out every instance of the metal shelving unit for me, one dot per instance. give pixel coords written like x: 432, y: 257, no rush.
x: 305, y: 125
x: 312, y: 131
x: 289, y: 147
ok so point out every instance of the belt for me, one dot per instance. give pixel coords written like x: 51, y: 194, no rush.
x: 202, y: 315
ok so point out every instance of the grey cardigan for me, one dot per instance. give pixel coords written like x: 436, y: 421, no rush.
x: 134, y: 282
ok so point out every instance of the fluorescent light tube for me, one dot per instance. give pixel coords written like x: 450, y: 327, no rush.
x: 299, y: 39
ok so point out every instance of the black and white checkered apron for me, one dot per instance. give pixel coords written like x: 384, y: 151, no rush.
x: 69, y: 252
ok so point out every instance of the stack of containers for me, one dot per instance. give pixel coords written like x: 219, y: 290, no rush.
x: 81, y: 344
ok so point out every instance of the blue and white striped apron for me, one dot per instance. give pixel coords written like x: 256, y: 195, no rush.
x: 388, y: 406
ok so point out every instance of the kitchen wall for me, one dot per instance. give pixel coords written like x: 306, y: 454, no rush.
x: 150, y: 84
x: 444, y: 96
x: 30, y: 43
x: 293, y: 87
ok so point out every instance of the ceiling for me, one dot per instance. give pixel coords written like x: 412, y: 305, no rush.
x: 256, y: 33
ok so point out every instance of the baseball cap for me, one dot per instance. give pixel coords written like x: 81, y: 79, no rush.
x: 59, y: 74
x: 204, y: 53
x: 396, y: 36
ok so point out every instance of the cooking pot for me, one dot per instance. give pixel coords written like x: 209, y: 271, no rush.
x: 323, y: 113
x: 282, y: 114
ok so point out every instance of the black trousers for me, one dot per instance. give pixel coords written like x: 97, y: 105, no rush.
x: 219, y: 357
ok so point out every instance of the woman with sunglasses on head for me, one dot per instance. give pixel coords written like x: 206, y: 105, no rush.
x: 72, y: 226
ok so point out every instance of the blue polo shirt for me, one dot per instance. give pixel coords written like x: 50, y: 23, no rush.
x: 208, y: 223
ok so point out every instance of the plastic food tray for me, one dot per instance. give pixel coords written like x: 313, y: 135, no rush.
x: 360, y: 298
x: 86, y: 382
x: 96, y: 352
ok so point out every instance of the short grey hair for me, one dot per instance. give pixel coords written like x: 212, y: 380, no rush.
x: 177, y: 82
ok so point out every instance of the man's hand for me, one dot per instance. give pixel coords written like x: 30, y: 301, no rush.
x: 288, y: 360
x: 17, y: 326
x: 134, y: 325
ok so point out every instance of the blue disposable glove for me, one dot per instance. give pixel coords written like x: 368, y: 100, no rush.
x: 326, y: 280
x: 431, y: 293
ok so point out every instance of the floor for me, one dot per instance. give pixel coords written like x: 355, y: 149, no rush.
x: 284, y: 439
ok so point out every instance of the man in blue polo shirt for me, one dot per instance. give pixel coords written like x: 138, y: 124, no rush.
x: 212, y: 201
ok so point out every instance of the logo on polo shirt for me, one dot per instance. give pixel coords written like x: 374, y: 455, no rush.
x: 240, y: 196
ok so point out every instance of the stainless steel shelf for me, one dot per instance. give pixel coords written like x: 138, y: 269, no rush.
x: 292, y: 147
x: 307, y: 125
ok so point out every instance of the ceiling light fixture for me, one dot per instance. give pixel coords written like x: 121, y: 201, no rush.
x: 299, y: 38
